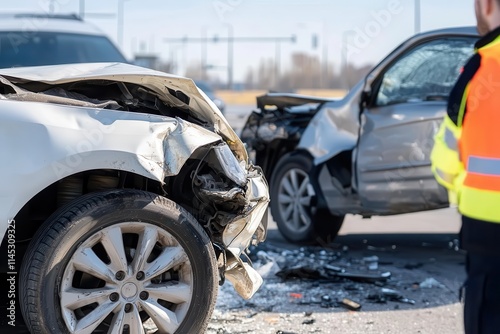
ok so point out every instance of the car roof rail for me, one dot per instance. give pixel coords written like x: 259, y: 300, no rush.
x: 72, y: 17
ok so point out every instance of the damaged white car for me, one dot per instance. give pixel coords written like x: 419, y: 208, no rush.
x: 129, y: 195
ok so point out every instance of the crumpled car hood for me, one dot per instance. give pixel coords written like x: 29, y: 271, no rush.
x: 165, y: 85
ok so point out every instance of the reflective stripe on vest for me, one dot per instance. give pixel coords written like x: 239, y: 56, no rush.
x: 484, y: 166
x: 450, y: 140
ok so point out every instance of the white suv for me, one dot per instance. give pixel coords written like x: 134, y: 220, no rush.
x: 40, y: 39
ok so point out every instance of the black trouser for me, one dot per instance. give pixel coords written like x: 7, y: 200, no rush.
x: 482, y: 287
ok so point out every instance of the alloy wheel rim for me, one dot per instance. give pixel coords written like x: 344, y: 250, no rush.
x: 125, y: 278
x: 294, y: 197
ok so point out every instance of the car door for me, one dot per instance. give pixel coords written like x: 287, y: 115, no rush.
x: 402, y: 115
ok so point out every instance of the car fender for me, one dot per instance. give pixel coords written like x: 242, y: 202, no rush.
x: 335, y: 128
x: 43, y: 143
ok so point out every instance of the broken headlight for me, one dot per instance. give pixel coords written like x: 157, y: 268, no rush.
x: 230, y: 165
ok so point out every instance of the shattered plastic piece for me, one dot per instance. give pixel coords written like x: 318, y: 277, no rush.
x: 350, y: 304
x: 380, y: 249
x: 371, y: 262
x: 394, y: 295
x: 264, y: 257
x: 377, y: 298
x: 296, y: 295
x: 431, y: 283
x: 365, y: 278
x: 389, y: 294
x: 268, y: 270
x: 334, y: 269
x: 327, y: 302
x: 455, y: 245
x: 300, y: 272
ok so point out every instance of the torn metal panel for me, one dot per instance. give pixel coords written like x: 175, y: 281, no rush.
x: 335, y: 128
x: 60, y: 96
x: 239, y: 233
x: 243, y: 277
x: 79, y: 139
x: 170, y: 89
x: 282, y: 100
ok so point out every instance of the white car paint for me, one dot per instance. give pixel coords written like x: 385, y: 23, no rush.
x: 41, y: 143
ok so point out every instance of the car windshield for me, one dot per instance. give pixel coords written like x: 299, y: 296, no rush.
x: 426, y: 73
x: 52, y: 48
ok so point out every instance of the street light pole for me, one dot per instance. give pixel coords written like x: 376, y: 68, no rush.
x: 82, y: 8
x: 230, y: 56
x: 119, y: 32
x: 204, y: 52
x: 277, y: 65
x: 417, y: 16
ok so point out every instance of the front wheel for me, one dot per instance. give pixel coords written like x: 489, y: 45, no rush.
x: 119, y: 262
x: 294, y: 199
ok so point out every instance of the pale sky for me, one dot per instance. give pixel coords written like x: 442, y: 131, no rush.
x: 372, y: 28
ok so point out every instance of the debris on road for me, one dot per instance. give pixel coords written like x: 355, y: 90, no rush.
x: 430, y: 283
x: 350, y: 304
x: 300, y: 282
x: 371, y: 262
x: 385, y: 295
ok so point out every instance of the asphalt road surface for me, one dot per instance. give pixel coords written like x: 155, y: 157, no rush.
x: 418, y: 250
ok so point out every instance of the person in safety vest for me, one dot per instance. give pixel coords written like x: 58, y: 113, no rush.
x: 466, y: 160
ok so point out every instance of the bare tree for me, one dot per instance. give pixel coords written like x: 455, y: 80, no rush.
x: 306, y: 72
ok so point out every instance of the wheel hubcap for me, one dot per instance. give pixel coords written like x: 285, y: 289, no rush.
x: 294, y: 198
x: 129, y: 291
x: 126, y: 276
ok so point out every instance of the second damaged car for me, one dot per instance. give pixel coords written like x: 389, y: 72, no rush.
x: 366, y: 154
x: 126, y: 199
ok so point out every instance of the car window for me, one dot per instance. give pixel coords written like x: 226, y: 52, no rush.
x: 426, y: 73
x: 51, y: 48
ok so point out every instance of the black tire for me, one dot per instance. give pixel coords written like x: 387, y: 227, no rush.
x: 56, y: 249
x: 314, y: 224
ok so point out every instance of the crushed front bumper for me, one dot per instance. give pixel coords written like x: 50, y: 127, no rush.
x: 239, y: 234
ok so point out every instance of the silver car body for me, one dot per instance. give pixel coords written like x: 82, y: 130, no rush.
x: 48, y: 137
x: 369, y: 158
x: 391, y: 144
